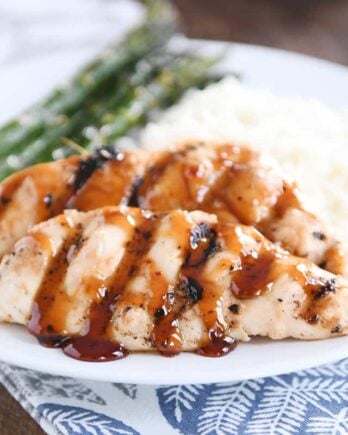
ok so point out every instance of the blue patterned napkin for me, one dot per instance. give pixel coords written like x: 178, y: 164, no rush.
x: 314, y: 401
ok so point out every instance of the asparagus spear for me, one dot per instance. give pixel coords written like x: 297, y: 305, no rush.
x: 161, y: 92
x: 90, y: 82
x: 164, y: 89
x: 145, y: 71
x: 41, y: 149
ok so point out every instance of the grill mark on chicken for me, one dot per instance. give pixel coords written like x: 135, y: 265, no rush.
x: 231, y: 162
x: 203, y: 244
x: 197, y: 245
x: 179, y: 179
x: 200, y: 245
x: 97, y: 344
x: 251, y: 264
x: 193, y: 288
x: 256, y: 272
x: 316, y: 290
x: 152, y: 178
x: 88, y: 166
x: 133, y: 197
x: 162, y: 304
x: 52, y: 302
x: 47, y: 321
x: 216, y: 342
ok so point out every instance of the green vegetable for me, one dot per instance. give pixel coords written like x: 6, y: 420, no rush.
x: 90, y: 83
x: 165, y: 89
x: 109, y: 97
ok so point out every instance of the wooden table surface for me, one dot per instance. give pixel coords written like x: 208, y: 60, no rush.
x: 316, y: 27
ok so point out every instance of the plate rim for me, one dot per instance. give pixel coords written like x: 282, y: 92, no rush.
x: 138, y: 378
x: 94, y: 372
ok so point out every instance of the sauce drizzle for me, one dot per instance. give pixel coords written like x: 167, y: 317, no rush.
x: 228, y: 180
x: 47, y: 321
x: 252, y: 273
x: 50, y: 308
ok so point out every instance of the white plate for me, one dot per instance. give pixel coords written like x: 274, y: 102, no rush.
x: 285, y: 74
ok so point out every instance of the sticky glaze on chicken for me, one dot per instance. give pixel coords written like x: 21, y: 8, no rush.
x: 235, y: 183
x: 106, y: 282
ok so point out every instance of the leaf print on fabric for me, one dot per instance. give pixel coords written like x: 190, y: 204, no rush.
x: 279, y: 412
x: 180, y: 404
x: 288, y: 400
x: 183, y: 397
x: 209, y: 409
x: 330, y: 424
x: 35, y: 383
x: 70, y: 420
x: 313, y: 401
x: 130, y: 390
x: 339, y: 369
x: 321, y: 389
x: 227, y: 407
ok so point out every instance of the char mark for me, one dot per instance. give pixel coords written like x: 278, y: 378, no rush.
x: 160, y: 312
x: 336, y: 330
x: 203, y: 245
x: 234, y: 308
x: 319, y: 235
x: 4, y: 200
x: 314, y: 319
x: 88, y: 166
x: 328, y: 287
x: 201, y: 231
x: 133, y: 200
x: 191, y: 288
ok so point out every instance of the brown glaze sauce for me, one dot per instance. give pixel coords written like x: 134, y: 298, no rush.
x: 47, y: 321
x: 172, y: 191
x: 52, y: 302
x: 212, y: 187
x: 95, y: 343
x: 193, y: 287
x: 252, y: 274
x: 317, y: 289
x: 51, y: 195
x: 110, y: 184
x: 185, y: 179
x: 231, y: 163
x: 189, y: 182
x: 288, y: 199
x: 335, y: 259
x: 257, y: 270
x: 204, y: 291
x: 219, y: 344
x: 167, y: 303
x: 8, y: 189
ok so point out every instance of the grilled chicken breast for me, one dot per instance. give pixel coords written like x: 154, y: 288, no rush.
x: 236, y: 183
x: 113, y: 280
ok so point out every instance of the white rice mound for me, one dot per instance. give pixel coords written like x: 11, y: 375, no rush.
x: 308, y: 139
